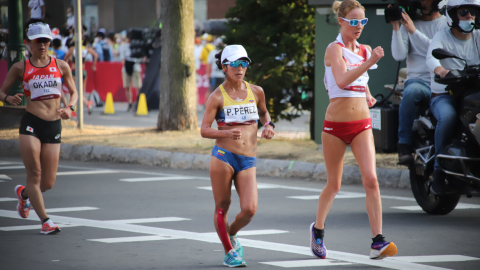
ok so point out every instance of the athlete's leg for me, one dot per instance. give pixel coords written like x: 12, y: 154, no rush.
x: 30, y: 148
x: 363, y: 149
x: 246, y: 186
x: 333, y: 152
x: 49, y: 160
x: 221, y: 175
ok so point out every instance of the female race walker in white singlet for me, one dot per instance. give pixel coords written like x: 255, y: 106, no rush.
x: 347, y: 122
x: 40, y: 127
x: 236, y: 106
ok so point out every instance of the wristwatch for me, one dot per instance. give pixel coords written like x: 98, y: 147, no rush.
x: 72, y: 107
x: 269, y: 123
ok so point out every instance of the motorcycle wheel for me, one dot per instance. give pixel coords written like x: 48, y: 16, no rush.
x: 432, y: 204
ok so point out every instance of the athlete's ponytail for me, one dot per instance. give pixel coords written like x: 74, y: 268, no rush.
x: 218, y: 56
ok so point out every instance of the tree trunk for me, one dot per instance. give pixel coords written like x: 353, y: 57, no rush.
x: 178, y: 91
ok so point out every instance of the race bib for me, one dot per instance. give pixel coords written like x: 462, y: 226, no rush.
x: 45, y: 87
x: 240, y: 113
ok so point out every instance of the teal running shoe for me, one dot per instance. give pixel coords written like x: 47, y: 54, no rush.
x: 236, y: 245
x: 232, y: 259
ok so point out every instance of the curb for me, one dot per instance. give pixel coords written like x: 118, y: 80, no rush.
x: 392, y: 178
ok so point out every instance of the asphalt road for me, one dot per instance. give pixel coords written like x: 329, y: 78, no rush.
x: 123, y: 216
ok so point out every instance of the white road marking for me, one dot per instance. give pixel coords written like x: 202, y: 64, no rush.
x: 336, y: 255
x: 132, y: 239
x: 259, y: 186
x: 164, y: 178
x: 5, y: 199
x: 12, y: 167
x: 5, y: 177
x: 307, y: 263
x: 252, y: 232
x: 418, y: 208
x: 88, y: 172
x: 340, y: 195
x: 8, y: 163
x: 435, y: 258
x: 70, y: 209
x: 33, y: 227
x: 149, y: 220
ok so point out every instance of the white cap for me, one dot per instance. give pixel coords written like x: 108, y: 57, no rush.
x: 39, y: 30
x: 234, y: 52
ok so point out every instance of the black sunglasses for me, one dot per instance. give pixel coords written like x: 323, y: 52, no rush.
x: 41, y: 40
x: 464, y: 12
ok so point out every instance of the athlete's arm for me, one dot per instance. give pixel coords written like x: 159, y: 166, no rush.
x: 370, y: 99
x: 343, y: 78
x: 70, y: 84
x: 15, y: 73
x: 213, y: 103
x: 263, y: 112
x: 95, y: 57
x: 68, y: 56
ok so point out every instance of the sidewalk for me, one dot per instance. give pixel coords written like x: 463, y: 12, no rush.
x: 284, y: 156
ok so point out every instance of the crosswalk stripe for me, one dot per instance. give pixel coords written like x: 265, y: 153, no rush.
x: 418, y: 208
x: 259, y: 186
x: 132, y: 239
x: 252, y: 232
x: 5, y: 177
x: 33, y: 227
x: 11, y: 167
x: 87, y: 172
x: 149, y: 220
x: 148, y: 179
x: 307, y: 263
x: 435, y: 258
x: 70, y: 209
x: 5, y: 199
x: 8, y: 163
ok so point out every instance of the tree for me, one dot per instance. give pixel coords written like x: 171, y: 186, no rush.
x: 279, y: 36
x: 178, y: 95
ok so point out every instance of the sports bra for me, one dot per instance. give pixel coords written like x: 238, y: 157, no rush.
x: 352, y: 61
x: 42, y: 83
x: 237, y: 112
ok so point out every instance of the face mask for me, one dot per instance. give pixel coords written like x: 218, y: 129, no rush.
x: 467, y: 26
x: 69, y: 15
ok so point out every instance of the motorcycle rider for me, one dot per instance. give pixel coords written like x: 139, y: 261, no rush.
x: 462, y: 40
x: 411, y: 40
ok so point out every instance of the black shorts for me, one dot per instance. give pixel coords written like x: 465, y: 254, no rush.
x: 45, y: 131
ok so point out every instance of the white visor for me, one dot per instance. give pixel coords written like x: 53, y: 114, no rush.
x: 234, y: 52
x: 39, y: 30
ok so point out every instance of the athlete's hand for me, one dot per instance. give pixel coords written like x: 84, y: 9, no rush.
x: 65, y: 113
x: 268, y: 133
x: 371, y: 100
x: 15, y: 100
x: 377, y: 53
x: 234, y: 134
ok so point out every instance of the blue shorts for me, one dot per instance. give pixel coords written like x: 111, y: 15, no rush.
x: 238, y: 162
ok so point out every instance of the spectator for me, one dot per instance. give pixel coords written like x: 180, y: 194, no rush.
x: 112, y: 42
x: 214, y: 75
x: 207, y: 47
x: 36, y: 11
x: 130, y: 72
x: 103, y: 49
x: 57, y: 48
x: 70, y: 17
x: 410, y: 40
x: 198, y: 47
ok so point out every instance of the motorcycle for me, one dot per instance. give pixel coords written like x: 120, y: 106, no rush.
x: 461, y: 159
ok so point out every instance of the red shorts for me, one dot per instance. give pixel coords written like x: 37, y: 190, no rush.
x: 346, y: 131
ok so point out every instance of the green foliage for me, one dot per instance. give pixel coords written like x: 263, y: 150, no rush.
x: 279, y: 36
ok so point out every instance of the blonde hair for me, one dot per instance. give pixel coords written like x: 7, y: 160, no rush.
x: 342, y: 8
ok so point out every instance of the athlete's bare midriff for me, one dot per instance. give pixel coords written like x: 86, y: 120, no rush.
x: 346, y: 109
x: 44, y: 109
x: 245, y: 146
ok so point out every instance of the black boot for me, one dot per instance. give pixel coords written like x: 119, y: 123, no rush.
x: 439, y: 187
x: 405, y: 154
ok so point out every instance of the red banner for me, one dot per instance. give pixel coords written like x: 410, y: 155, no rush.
x: 202, y: 84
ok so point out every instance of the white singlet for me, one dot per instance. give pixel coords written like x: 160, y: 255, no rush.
x: 352, y: 61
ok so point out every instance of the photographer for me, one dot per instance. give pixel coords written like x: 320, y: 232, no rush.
x: 462, y: 40
x: 411, y: 40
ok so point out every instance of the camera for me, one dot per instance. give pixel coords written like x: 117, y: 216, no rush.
x: 411, y: 7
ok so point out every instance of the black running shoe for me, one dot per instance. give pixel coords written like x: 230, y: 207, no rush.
x: 405, y: 154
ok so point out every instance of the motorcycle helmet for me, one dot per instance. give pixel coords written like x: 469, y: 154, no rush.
x: 451, y: 12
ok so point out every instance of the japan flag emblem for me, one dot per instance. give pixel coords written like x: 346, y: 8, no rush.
x: 30, y: 129
x: 53, y: 69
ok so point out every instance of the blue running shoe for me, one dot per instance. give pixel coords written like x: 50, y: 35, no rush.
x: 380, y: 250
x: 232, y: 259
x: 236, y: 245
x: 317, y: 245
